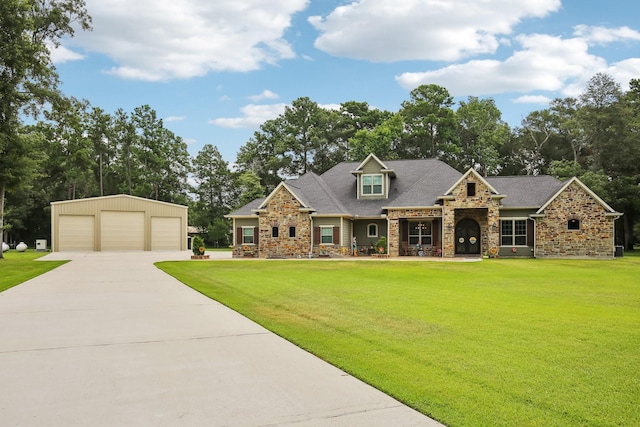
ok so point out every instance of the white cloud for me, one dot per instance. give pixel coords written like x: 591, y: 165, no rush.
x: 60, y: 54
x: 384, y: 31
x: 254, y: 116
x: 266, y: 94
x: 532, y: 99
x: 158, y: 40
x: 603, y: 35
x: 174, y: 118
x: 543, y: 63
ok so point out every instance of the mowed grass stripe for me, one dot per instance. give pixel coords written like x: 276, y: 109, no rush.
x: 18, y: 267
x: 499, y: 342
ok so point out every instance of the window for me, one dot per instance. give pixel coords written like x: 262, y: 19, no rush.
x: 420, y: 233
x: 573, y: 224
x: 274, y: 231
x: 372, y: 184
x: 247, y: 235
x: 471, y: 189
x: 514, y: 232
x: 326, y: 235
x: 372, y: 230
x: 292, y: 232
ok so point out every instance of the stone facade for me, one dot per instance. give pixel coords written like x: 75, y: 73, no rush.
x: 283, y: 212
x: 394, y: 217
x: 594, y: 236
x: 483, y: 207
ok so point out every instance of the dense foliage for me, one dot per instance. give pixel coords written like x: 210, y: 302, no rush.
x: 75, y: 150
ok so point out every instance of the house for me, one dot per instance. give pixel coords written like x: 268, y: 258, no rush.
x: 424, y: 207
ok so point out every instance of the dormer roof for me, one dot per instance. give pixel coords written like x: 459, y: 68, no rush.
x: 370, y: 158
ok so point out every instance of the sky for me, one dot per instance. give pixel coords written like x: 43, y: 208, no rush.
x: 214, y: 71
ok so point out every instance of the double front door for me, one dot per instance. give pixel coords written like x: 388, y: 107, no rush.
x: 467, y: 237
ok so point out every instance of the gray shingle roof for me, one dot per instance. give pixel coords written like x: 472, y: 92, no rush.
x: 525, y: 191
x: 416, y: 183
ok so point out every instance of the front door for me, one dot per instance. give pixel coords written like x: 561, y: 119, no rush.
x: 467, y: 237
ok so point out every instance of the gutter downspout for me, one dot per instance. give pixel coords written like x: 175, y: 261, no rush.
x: 442, y: 232
x: 311, y: 237
x: 535, y: 238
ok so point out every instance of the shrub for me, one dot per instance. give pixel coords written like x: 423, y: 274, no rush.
x: 197, y: 245
x: 381, y: 245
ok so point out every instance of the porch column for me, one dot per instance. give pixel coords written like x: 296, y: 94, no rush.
x: 448, y: 231
x: 393, y: 225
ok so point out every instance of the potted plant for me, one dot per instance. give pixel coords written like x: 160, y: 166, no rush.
x: 197, y: 246
x: 381, y: 245
x: 323, y: 251
x: 247, y: 251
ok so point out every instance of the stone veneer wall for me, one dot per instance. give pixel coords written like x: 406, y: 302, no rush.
x: 489, y: 215
x: 394, y: 216
x: 283, y: 211
x: 595, y: 238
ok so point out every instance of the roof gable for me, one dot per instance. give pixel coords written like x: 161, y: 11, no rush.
x: 118, y: 196
x: 575, y: 180
x: 282, y: 186
x: 477, y: 176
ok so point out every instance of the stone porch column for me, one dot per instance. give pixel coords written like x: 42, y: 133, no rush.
x: 393, y: 240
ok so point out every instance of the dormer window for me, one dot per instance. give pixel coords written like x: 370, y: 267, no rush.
x: 372, y: 185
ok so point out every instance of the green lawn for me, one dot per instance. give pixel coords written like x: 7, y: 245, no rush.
x: 17, y: 267
x: 492, y: 343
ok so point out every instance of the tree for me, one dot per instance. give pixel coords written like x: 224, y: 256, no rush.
x: 123, y: 134
x: 213, y: 177
x: 538, y: 129
x: 262, y: 155
x: 430, y: 122
x: 381, y: 141
x: 567, y: 125
x: 481, y: 133
x: 599, y: 111
x: 163, y: 157
x: 248, y: 184
x: 27, y: 76
x: 302, y: 135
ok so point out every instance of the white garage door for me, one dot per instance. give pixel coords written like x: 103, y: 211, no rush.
x: 165, y: 234
x: 122, y: 231
x: 76, y: 233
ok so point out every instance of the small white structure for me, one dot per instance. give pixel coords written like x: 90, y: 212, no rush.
x: 41, y: 245
x: 21, y: 247
x: 5, y: 247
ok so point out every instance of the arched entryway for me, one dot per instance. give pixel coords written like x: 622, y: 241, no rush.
x: 467, y: 237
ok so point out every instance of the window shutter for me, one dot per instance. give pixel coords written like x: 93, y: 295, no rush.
x: 239, y: 236
x: 256, y: 235
x: 336, y: 235
x: 404, y: 225
x: 530, y: 233
x: 434, y: 233
x: 316, y: 235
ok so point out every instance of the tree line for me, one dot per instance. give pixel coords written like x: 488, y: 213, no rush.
x: 54, y: 147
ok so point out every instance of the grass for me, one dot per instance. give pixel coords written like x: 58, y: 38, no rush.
x: 17, y: 267
x: 494, y: 343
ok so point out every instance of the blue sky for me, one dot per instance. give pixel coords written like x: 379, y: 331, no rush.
x: 215, y: 70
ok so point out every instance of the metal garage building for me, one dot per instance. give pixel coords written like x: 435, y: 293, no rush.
x: 118, y: 223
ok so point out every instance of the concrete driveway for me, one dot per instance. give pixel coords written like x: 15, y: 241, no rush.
x: 109, y: 340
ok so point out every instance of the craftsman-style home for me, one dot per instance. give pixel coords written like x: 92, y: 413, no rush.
x: 424, y: 207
